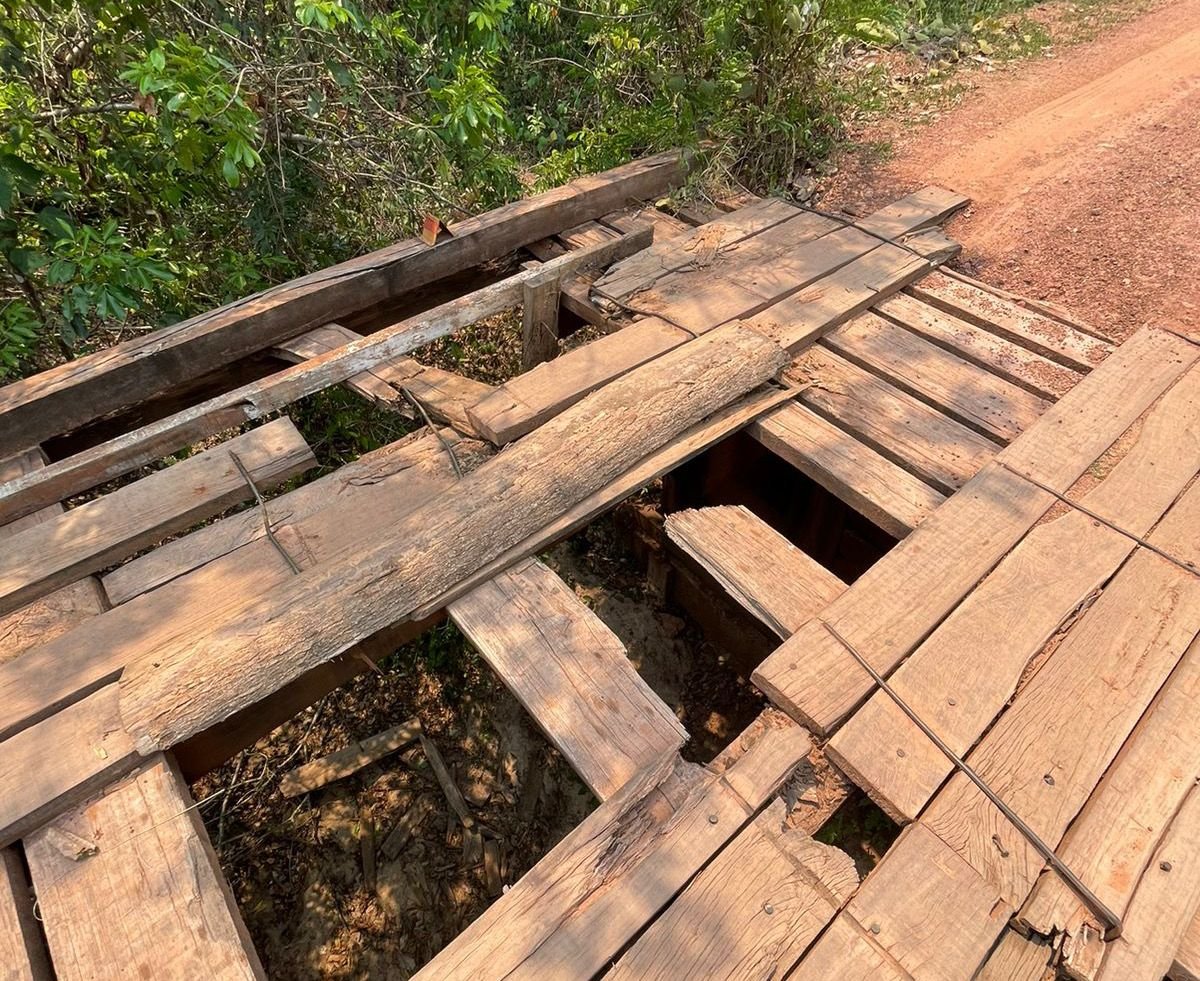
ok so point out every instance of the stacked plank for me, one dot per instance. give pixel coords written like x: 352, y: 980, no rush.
x: 1084, y: 602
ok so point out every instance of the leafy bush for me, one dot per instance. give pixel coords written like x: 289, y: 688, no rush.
x: 158, y: 158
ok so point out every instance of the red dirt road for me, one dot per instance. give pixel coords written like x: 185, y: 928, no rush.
x: 1084, y: 174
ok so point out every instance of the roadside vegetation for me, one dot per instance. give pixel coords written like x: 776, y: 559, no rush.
x: 158, y: 159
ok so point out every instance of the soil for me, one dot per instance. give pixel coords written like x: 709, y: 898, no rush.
x: 1083, y: 167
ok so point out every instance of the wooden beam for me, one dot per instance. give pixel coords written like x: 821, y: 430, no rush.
x: 147, y: 899
x: 321, y: 612
x: 878, y: 489
x: 894, y: 606
x: 22, y: 946
x: 64, y: 398
x: 124, y: 453
x: 348, y: 760
x: 103, y: 531
x: 539, y: 321
x: 756, y: 565
x: 1017, y: 958
x: 571, y: 673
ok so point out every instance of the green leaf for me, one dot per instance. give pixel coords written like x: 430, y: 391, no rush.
x: 158, y: 59
x: 26, y: 261
x: 55, y: 221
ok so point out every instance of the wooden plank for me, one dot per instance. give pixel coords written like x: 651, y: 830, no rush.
x: 904, y: 596
x: 781, y: 585
x: 696, y: 247
x: 328, y: 337
x: 915, y: 436
x: 1018, y: 958
x: 923, y: 208
x: 151, y: 900
x: 348, y: 760
x: 923, y: 908
x: 1186, y: 966
x: 1047, y: 752
x: 579, y: 906
x: 1019, y: 365
x: 316, y: 615
x: 571, y: 673
x: 664, y: 226
x: 959, y: 679
x: 1166, y: 902
x: 845, y: 952
x: 963, y: 391
x: 800, y: 319
x: 539, y: 321
x: 255, y: 400
x: 873, y: 485
x: 376, y: 490
x: 22, y: 947
x: 55, y: 764
x: 1110, y: 845
x: 107, y: 529
x: 1054, y: 339
x: 523, y: 403
x: 757, y: 906
x: 75, y: 393
x: 51, y: 616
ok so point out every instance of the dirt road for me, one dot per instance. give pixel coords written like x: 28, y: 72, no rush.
x: 1083, y: 169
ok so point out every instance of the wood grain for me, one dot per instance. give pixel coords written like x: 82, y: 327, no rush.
x: 151, y: 901
x: 571, y: 673
x: 22, y: 947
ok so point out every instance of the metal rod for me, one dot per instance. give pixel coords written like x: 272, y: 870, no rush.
x: 458, y: 470
x: 1111, y: 920
x: 266, y: 517
x: 1084, y: 509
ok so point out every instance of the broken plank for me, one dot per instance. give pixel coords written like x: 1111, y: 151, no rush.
x: 1045, y: 755
x: 105, y: 530
x: 963, y: 391
x: 523, y: 403
x: 75, y: 393
x: 915, y: 436
x: 319, y: 613
x: 961, y: 677
x: 1166, y: 902
x: 585, y: 900
x: 1019, y: 365
x: 921, y: 209
x: 348, y: 760
x: 1018, y: 958
x: 873, y: 485
x: 150, y: 901
x: 571, y: 673
x: 759, y: 904
x: 255, y: 400
x: 1054, y: 339
x: 781, y: 585
x: 904, y: 596
x: 55, y: 764
x: 22, y: 947
x: 327, y: 337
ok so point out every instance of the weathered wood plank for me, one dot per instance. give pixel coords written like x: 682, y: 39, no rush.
x: 575, y: 910
x: 328, y: 337
x: 523, y: 403
x: 255, y: 400
x: 150, y: 901
x: 232, y: 561
x: 873, y: 485
x: 959, y: 679
x: 922, y: 209
x: 539, y: 321
x: 756, y: 565
x: 962, y: 390
x: 845, y: 952
x: 66, y: 397
x: 923, y: 908
x: 1166, y: 902
x: 751, y: 913
x: 348, y: 760
x: 1047, y: 752
x: 319, y: 613
x: 58, y: 762
x: 1019, y: 365
x: 900, y: 600
x: 22, y: 947
x: 103, y: 531
x: 1017, y: 958
x: 915, y: 436
x: 571, y: 673
x: 1186, y: 966
x: 1054, y: 339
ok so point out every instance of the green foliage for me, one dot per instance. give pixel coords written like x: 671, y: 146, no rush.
x: 158, y: 158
